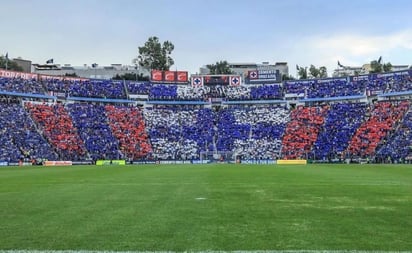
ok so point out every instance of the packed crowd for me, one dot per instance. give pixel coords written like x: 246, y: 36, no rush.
x: 89, y: 131
x: 334, y: 88
x: 324, y: 88
x: 19, y: 138
x: 57, y: 126
x: 398, y: 147
x: 384, y: 117
x: 173, y: 132
x: 313, y: 88
x: 302, y: 131
x: 267, y: 124
x: 128, y: 127
x: 21, y: 85
x: 341, y: 122
x: 92, y: 124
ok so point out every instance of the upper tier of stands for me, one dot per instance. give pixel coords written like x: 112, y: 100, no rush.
x: 315, y: 88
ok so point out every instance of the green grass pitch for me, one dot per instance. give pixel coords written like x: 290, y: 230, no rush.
x: 216, y: 207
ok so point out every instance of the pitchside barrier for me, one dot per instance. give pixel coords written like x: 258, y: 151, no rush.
x: 282, y: 162
x: 58, y: 163
x: 110, y: 162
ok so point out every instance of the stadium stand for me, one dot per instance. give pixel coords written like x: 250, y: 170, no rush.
x: 384, y: 117
x: 57, y: 127
x: 142, y: 88
x: 334, y: 119
x: 267, y: 124
x: 98, y: 89
x: 302, y: 131
x: 334, y: 88
x: 173, y: 132
x: 21, y: 85
x: 92, y: 124
x: 398, y: 146
x: 341, y: 122
x: 128, y: 127
x: 163, y: 92
x: 19, y: 138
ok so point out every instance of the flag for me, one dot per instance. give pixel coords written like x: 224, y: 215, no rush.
x: 94, y: 65
x: 49, y: 61
x: 380, y: 59
x: 340, y: 65
x: 7, y: 56
x: 253, y: 74
x: 235, y: 80
x: 197, y: 81
x: 297, y: 67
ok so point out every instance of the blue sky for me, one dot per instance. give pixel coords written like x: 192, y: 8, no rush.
x: 318, y: 32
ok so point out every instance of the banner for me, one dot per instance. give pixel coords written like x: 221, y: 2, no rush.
x: 264, y: 73
x: 15, y: 74
x: 57, y: 163
x: 235, y: 80
x: 110, y: 162
x: 61, y: 78
x: 328, y: 80
x: 300, y: 82
x: 197, y: 81
x: 157, y: 75
x: 283, y: 162
x: 253, y: 74
x: 182, y: 76
x: 360, y: 78
x: 170, y: 76
x: 399, y: 73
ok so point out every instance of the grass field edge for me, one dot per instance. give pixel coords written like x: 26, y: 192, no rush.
x: 205, y: 251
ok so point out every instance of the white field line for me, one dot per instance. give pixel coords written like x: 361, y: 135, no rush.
x: 236, y: 251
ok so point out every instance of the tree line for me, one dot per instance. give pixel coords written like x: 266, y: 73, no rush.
x: 155, y: 54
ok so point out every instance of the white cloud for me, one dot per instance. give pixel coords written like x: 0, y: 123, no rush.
x: 362, y: 45
x: 350, y: 49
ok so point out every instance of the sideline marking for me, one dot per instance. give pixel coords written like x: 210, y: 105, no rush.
x: 205, y: 251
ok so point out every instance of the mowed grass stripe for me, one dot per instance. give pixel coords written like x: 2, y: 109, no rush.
x: 207, y: 207
x: 236, y: 251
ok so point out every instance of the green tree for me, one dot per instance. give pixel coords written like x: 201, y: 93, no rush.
x: 11, y: 65
x: 387, y: 67
x: 302, y: 72
x: 376, y: 67
x: 155, y: 55
x: 221, y: 67
x: 287, y: 77
x: 314, y: 72
x: 131, y: 76
x: 321, y: 72
x: 71, y: 74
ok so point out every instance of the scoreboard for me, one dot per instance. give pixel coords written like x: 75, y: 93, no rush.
x: 216, y: 80
x: 212, y: 80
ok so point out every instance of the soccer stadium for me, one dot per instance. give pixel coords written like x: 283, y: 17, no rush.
x: 319, y: 164
x: 244, y: 158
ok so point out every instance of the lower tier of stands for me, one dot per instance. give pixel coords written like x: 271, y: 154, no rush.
x: 82, y: 131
